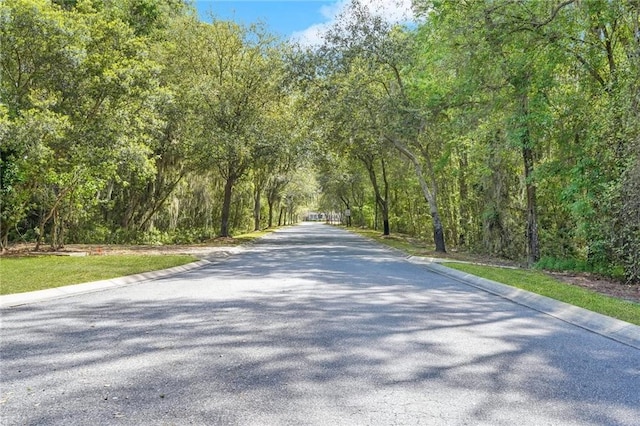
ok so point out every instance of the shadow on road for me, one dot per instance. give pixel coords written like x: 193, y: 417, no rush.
x: 319, y: 340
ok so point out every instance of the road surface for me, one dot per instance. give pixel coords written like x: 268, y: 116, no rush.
x: 309, y: 326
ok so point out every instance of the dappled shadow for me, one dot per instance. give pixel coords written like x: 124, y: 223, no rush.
x: 329, y: 329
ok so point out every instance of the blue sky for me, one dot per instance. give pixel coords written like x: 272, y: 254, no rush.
x: 281, y: 17
x: 301, y: 20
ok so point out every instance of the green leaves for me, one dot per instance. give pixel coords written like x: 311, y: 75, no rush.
x: 76, y: 86
x: 553, y: 80
x: 136, y: 115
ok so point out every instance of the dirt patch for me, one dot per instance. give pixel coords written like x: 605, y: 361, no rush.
x: 198, y: 250
x: 601, y: 285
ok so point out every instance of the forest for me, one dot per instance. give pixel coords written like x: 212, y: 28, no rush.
x: 507, y: 128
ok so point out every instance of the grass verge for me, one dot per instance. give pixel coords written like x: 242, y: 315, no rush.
x: 22, y: 274
x: 533, y: 281
x: 538, y: 282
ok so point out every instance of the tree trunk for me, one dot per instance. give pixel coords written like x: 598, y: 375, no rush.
x: 381, y: 201
x: 226, y: 207
x: 385, y: 207
x: 270, y: 203
x: 46, y: 219
x: 4, y: 240
x: 533, y: 248
x: 57, y: 232
x: 347, y: 212
x: 386, y: 230
x: 463, y: 218
x: 438, y: 233
x: 438, y: 229
x: 375, y: 217
x: 256, y: 208
x: 54, y: 231
x: 280, y: 216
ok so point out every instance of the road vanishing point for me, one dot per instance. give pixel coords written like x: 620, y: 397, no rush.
x: 310, y: 325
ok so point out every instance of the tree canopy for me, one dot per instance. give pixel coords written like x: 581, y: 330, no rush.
x: 503, y: 128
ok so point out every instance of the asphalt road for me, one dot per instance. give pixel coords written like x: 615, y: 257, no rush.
x: 309, y: 326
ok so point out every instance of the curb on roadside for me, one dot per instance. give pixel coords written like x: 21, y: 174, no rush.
x: 19, y: 299
x: 615, y: 329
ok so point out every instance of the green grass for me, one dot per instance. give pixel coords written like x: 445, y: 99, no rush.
x: 538, y: 282
x: 22, y: 274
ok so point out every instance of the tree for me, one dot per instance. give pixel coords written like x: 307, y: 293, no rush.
x: 281, y: 150
x: 346, y: 102
x: 510, y: 46
x: 83, y: 79
x: 343, y: 183
x: 366, y: 42
x: 231, y: 75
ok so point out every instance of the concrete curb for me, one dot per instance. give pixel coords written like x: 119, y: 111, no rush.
x: 620, y: 331
x: 19, y: 299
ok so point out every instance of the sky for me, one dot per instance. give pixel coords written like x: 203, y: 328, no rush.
x: 299, y: 20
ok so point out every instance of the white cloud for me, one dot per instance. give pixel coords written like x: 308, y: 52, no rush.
x: 330, y: 11
x: 393, y: 11
x: 312, y: 36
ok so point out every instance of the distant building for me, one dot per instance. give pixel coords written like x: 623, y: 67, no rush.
x: 314, y: 217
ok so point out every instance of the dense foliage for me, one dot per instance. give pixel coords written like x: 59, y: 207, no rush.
x: 133, y: 121
x: 519, y: 120
x: 509, y: 128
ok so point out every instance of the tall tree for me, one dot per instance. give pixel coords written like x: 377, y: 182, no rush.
x: 85, y: 74
x: 511, y: 49
x: 231, y: 75
x: 362, y: 40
